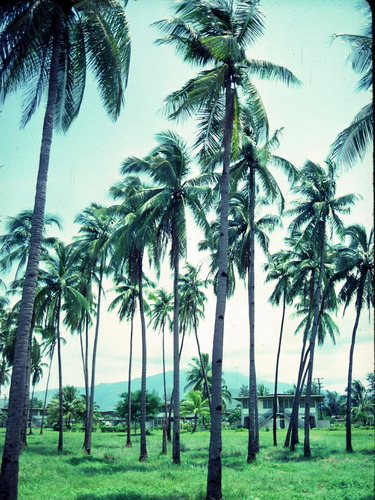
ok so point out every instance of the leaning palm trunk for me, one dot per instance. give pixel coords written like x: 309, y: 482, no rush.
x: 88, y: 428
x: 129, y: 423
x: 292, y: 433
x: 310, y: 367
x: 27, y: 389
x: 349, y: 447
x: 275, y: 408
x: 176, y: 453
x: 12, y: 446
x: 214, y: 490
x: 253, y: 445
x: 143, y: 443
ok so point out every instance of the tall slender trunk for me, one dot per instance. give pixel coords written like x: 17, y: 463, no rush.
x: 85, y: 367
x: 176, y: 445
x: 61, y: 409
x: 143, y: 442
x: 292, y: 433
x: 214, y: 488
x: 27, y: 388
x: 164, y: 434
x: 202, y: 364
x: 129, y: 423
x: 12, y: 446
x: 253, y: 444
x: 31, y: 410
x: 310, y: 368
x: 88, y: 429
x: 275, y: 408
x: 47, y: 385
x: 349, y: 446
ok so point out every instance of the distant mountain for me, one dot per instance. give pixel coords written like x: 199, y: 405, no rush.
x: 108, y: 395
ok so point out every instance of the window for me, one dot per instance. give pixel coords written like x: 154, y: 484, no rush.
x: 287, y: 403
x: 267, y: 404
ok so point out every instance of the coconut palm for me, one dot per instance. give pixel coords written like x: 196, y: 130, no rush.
x: 161, y: 308
x: 192, y: 299
x: 316, y: 211
x: 131, y: 240
x: 73, y: 406
x: 126, y: 301
x: 58, y: 293
x: 164, y: 209
x: 253, y: 165
x: 216, y: 33
x: 46, y: 47
x: 278, y: 269
x: 356, y: 266
x: 194, y: 404
x: 94, y: 241
x: 362, y: 405
x: 15, y: 243
x: 351, y: 145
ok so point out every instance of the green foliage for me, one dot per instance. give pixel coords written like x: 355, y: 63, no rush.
x: 113, y: 471
x: 153, y: 403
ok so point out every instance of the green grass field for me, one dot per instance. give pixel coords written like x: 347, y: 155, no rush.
x: 113, y: 472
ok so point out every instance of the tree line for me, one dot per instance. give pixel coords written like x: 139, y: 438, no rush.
x: 234, y: 149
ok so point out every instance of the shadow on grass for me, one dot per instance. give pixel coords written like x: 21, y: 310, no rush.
x: 128, y: 495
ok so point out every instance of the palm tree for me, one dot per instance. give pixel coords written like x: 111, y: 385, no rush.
x: 192, y: 299
x: 126, y: 301
x: 199, y: 378
x: 356, y: 266
x: 97, y: 226
x: 216, y: 33
x: 73, y: 406
x: 57, y: 293
x: 15, y: 243
x: 46, y: 47
x: 351, y: 145
x: 161, y: 308
x: 196, y: 405
x: 362, y: 405
x: 278, y: 269
x: 164, y: 209
x: 315, y: 212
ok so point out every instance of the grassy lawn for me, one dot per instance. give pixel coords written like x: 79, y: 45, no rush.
x: 113, y: 472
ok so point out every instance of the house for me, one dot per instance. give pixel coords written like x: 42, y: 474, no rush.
x: 285, y: 404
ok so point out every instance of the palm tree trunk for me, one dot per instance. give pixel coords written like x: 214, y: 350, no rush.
x: 61, y: 410
x: 85, y: 367
x: 88, y: 429
x: 310, y: 367
x: 292, y: 433
x: 27, y: 388
x: 176, y: 447
x: 47, y: 385
x: 129, y: 423
x: 214, y: 490
x: 31, y: 410
x: 12, y: 446
x: 253, y: 445
x: 143, y: 442
x: 202, y: 364
x: 164, y: 435
x: 349, y: 446
x: 275, y: 405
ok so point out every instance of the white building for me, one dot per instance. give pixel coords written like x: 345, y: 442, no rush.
x: 285, y: 404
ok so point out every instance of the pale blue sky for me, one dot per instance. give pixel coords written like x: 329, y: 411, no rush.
x: 86, y: 161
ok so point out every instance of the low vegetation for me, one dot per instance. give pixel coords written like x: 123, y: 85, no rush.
x: 113, y: 472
